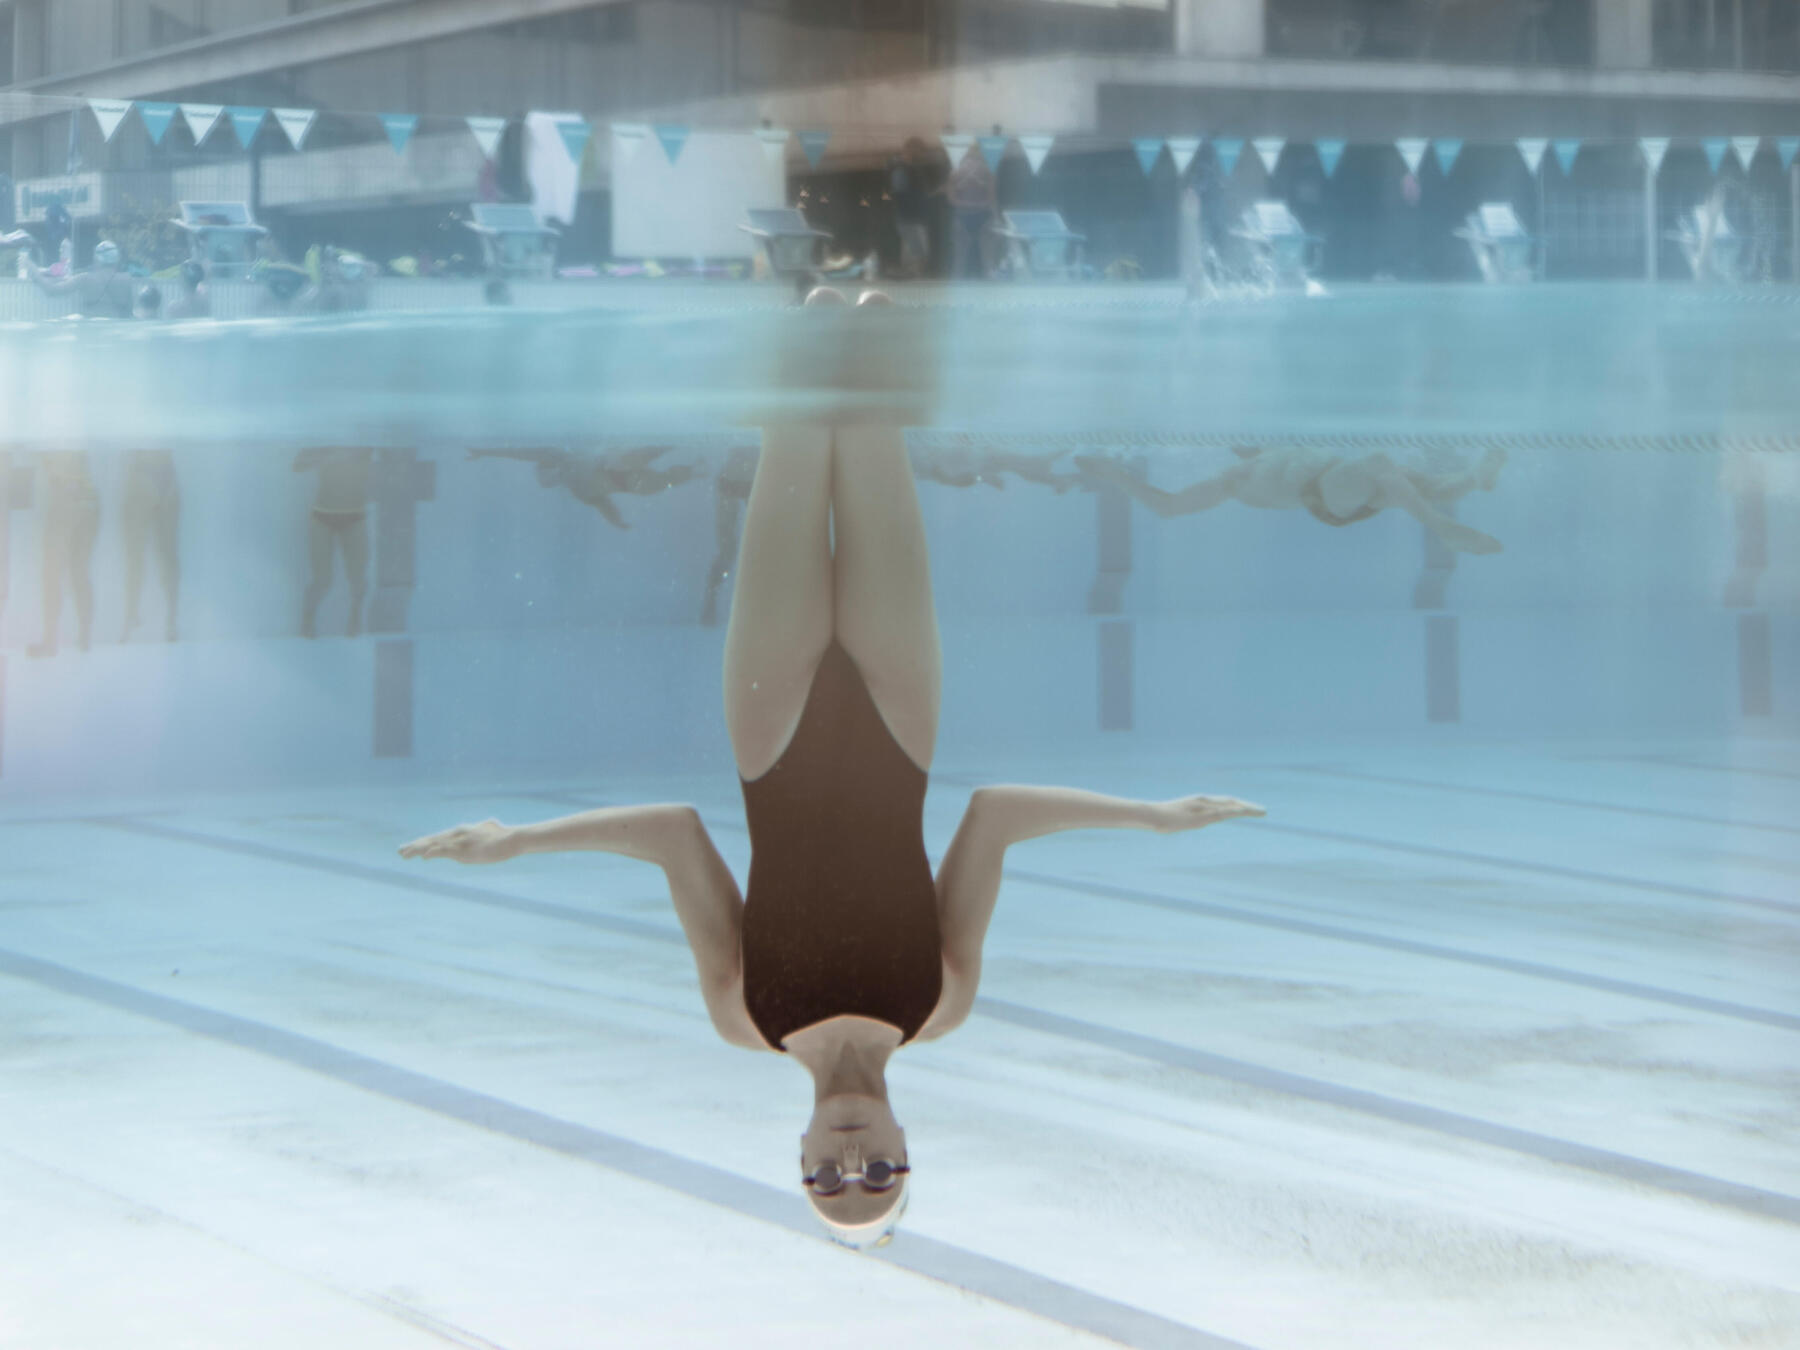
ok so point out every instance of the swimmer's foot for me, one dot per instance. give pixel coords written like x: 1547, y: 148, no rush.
x: 1466, y: 540
x: 1487, y: 473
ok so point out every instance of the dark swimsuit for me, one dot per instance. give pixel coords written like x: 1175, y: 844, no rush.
x: 841, y: 914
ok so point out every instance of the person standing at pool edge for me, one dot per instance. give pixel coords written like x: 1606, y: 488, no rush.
x: 846, y: 947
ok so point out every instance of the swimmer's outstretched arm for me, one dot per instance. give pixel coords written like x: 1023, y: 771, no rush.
x: 968, y: 879
x: 705, y: 894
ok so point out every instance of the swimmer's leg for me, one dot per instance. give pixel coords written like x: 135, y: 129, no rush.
x: 1200, y: 496
x: 84, y: 530
x: 134, y: 525
x: 319, y: 548
x: 884, y: 615
x: 355, y: 539
x: 166, y: 528
x: 781, y: 608
x: 1394, y: 488
x: 55, y: 561
x: 728, y: 511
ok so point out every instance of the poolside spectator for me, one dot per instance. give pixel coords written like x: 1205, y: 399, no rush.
x: 150, y: 516
x: 104, y: 291
x: 1333, y: 489
x: 912, y: 208
x: 71, y: 523
x: 338, y: 524
x: 973, y: 201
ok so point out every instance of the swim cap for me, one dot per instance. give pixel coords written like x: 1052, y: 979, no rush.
x: 106, y: 254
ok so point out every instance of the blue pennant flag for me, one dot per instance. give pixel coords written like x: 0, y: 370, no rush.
x: 1330, y: 152
x: 1715, y: 147
x: 1785, y: 146
x: 993, y: 150
x: 1566, y: 150
x: 1149, y: 150
x: 156, y: 118
x: 399, y: 128
x: 575, y: 133
x: 246, y: 122
x: 673, y: 136
x: 1226, y: 150
x: 1446, y: 148
x: 812, y: 145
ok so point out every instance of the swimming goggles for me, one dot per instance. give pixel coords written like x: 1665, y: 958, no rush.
x: 879, y: 1175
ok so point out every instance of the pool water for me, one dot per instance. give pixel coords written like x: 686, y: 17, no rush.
x: 1484, y: 1036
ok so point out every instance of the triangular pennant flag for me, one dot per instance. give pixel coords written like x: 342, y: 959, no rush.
x: 1412, y: 150
x: 246, y: 122
x: 156, y: 118
x: 1745, y: 148
x: 774, y: 143
x: 1268, y: 149
x: 1446, y: 148
x: 1715, y: 147
x: 1330, y: 151
x: 1531, y: 149
x: 1037, y: 150
x: 1226, y: 150
x: 1654, y: 148
x: 1149, y: 149
x: 628, y: 138
x: 672, y: 135
x: 1566, y: 150
x: 399, y: 128
x: 993, y: 150
x: 1785, y: 146
x: 295, y: 123
x: 956, y: 144
x: 201, y: 118
x: 487, y: 132
x: 812, y: 145
x: 575, y: 133
x: 1182, y: 150
x: 109, y: 112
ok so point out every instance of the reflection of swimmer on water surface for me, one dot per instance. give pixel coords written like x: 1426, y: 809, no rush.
x: 1332, y: 488
x: 339, y: 523
x: 594, y: 479
x: 150, y: 516
x: 965, y: 468
x: 71, y: 523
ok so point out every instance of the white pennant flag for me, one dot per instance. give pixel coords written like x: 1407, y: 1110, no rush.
x: 628, y: 138
x: 774, y: 143
x: 1182, y: 150
x: 295, y: 123
x: 1745, y: 149
x: 956, y: 145
x: 1412, y: 150
x: 201, y: 118
x: 1037, y: 149
x: 1532, y: 148
x: 109, y: 112
x: 1268, y: 149
x: 487, y: 132
x: 1654, y: 148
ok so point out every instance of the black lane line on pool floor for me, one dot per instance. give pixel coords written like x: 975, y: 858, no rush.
x: 1201, y: 909
x: 941, y: 1261
x: 1673, y: 1180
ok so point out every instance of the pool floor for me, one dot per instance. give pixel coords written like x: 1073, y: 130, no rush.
x: 1474, y: 1046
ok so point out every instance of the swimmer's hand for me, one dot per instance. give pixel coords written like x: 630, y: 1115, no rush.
x: 1193, y: 813
x: 486, y: 842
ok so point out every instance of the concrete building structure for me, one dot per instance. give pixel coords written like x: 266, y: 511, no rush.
x: 877, y: 71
